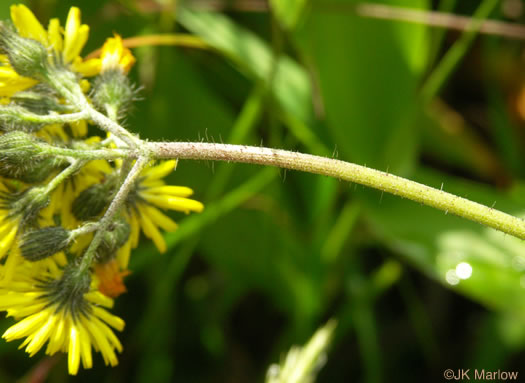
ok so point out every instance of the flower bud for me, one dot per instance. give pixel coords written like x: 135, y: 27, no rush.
x: 28, y: 57
x: 39, y: 171
x: 19, y: 145
x: 40, y: 99
x: 25, y: 206
x: 115, y: 56
x: 23, y: 157
x: 42, y: 243
x: 113, y: 239
x: 113, y: 90
x: 14, y: 117
x: 91, y: 202
x: 69, y: 290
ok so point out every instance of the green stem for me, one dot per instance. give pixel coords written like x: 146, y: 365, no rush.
x: 113, y: 209
x: 442, y: 18
x: 97, y: 154
x: 26, y: 116
x: 447, y: 65
x: 69, y: 88
x: 344, y: 171
x: 84, y: 229
x: 108, y: 125
x: 63, y: 175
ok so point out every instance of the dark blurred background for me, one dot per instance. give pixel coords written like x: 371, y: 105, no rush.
x: 276, y: 254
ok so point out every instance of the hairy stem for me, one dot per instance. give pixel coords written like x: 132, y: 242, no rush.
x: 344, y: 171
x: 111, y: 126
x: 96, y: 154
x: 71, y: 91
x: 27, y: 116
x: 63, y: 175
x: 439, y: 19
x: 113, y: 209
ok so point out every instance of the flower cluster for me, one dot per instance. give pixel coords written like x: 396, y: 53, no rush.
x: 72, y: 206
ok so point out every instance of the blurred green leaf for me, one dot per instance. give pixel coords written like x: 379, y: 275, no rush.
x: 486, y: 265
x: 453, y: 57
x: 288, y: 12
x: 253, y: 56
x: 368, y: 72
x: 290, y: 83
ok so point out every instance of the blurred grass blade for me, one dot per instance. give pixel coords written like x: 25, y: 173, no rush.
x: 288, y: 12
x: 340, y: 232
x: 446, y: 66
x: 246, y: 120
x: 438, y: 35
x: 368, y: 73
x: 166, y: 283
x: 302, y: 364
x: 253, y: 56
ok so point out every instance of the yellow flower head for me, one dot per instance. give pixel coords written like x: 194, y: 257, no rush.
x: 67, y: 43
x: 151, y: 195
x: 17, y: 210
x: 64, y: 247
x: 68, y: 318
x: 115, y: 56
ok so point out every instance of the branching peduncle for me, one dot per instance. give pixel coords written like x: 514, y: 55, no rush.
x: 145, y: 151
x: 74, y: 167
x: 112, y: 211
x: 96, y: 154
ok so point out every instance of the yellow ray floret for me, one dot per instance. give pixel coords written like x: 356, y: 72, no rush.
x: 10, y: 81
x: 145, y: 213
x: 115, y: 56
x: 67, y: 43
x: 43, y: 319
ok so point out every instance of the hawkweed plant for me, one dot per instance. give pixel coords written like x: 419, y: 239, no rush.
x: 73, y: 206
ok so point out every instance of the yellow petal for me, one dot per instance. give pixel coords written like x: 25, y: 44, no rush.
x: 110, y: 336
x: 79, y: 128
x: 151, y: 231
x: 160, y: 219
x: 85, y: 347
x: 7, y: 240
x: 99, y: 299
x: 73, y: 360
x: 113, y: 320
x: 58, y: 336
x: 123, y: 255
x: 175, y: 203
x: 160, y: 171
x: 135, y: 230
x: 98, y: 338
x: 88, y: 68
x: 26, y: 326
x: 41, y: 336
x: 178, y: 191
x: 115, y: 56
x: 75, y: 35
x: 27, y: 24
x: 13, y: 299
x: 54, y: 35
x: 13, y: 260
